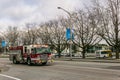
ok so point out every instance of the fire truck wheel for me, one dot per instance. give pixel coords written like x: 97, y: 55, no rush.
x: 15, y: 61
x: 44, y: 63
x: 29, y: 62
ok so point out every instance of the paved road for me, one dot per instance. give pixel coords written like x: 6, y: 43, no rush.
x: 62, y: 70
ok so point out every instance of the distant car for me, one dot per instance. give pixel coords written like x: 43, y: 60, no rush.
x: 68, y: 55
x: 56, y: 54
x: 103, y: 53
x: 78, y: 55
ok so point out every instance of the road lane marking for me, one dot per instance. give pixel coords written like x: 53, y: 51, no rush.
x: 10, y: 77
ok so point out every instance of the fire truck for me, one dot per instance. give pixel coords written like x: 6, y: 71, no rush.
x: 30, y: 54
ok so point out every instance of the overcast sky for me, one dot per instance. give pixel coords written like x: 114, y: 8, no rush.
x: 20, y: 12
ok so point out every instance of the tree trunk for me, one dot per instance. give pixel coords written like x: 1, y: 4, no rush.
x: 117, y: 51
x: 83, y: 54
x: 117, y: 55
x: 59, y: 51
x: 59, y: 55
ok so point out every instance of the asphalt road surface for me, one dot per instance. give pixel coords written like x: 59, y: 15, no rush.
x: 61, y: 70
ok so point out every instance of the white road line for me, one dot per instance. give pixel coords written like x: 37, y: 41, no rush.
x: 9, y: 77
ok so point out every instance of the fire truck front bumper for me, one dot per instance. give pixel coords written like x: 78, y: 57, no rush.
x: 43, y: 61
x: 50, y: 61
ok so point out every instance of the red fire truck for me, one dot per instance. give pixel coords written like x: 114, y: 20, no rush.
x: 31, y: 54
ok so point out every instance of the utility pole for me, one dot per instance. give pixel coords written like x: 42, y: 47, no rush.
x: 70, y: 41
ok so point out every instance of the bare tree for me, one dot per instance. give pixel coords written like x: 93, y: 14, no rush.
x: 43, y: 33
x: 53, y: 33
x: 58, y: 40
x: 12, y: 35
x: 109, y: 27
x: 29, y: 36
x: 85, y: 31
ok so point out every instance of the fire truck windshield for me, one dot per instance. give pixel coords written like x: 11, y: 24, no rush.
x: 43, y: 50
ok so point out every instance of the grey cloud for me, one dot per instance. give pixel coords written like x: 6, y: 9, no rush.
x: 17, y: 12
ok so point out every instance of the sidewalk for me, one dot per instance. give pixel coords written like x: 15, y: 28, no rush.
x: 107, y: 60
x: 2, y: 67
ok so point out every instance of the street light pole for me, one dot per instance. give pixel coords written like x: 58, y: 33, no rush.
x: 65, y: 11
x: 70, y: 50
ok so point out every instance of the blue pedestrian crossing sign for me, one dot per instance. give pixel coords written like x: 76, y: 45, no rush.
x: 3, y: 43
x: 68, y: 34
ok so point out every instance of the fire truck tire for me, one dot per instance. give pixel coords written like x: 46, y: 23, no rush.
x: 15, y: 61
x: 44, y: 63
x: 29, y: 62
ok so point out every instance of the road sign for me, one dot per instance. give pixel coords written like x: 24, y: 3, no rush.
x: 68, y: 34
x: 3, y: 43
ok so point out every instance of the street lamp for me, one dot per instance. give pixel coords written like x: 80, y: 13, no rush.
x: 70, y: 50
x: 65, y: 11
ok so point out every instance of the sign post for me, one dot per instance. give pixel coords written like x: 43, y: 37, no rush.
x: 69, y: 33
x: 70, y: 37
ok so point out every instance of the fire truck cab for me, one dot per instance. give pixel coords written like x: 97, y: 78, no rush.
x: 31, y: 54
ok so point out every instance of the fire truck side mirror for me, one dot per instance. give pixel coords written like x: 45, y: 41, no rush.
x: 25, y: 49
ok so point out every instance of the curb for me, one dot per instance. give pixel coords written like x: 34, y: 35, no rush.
x: 91, y: 60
